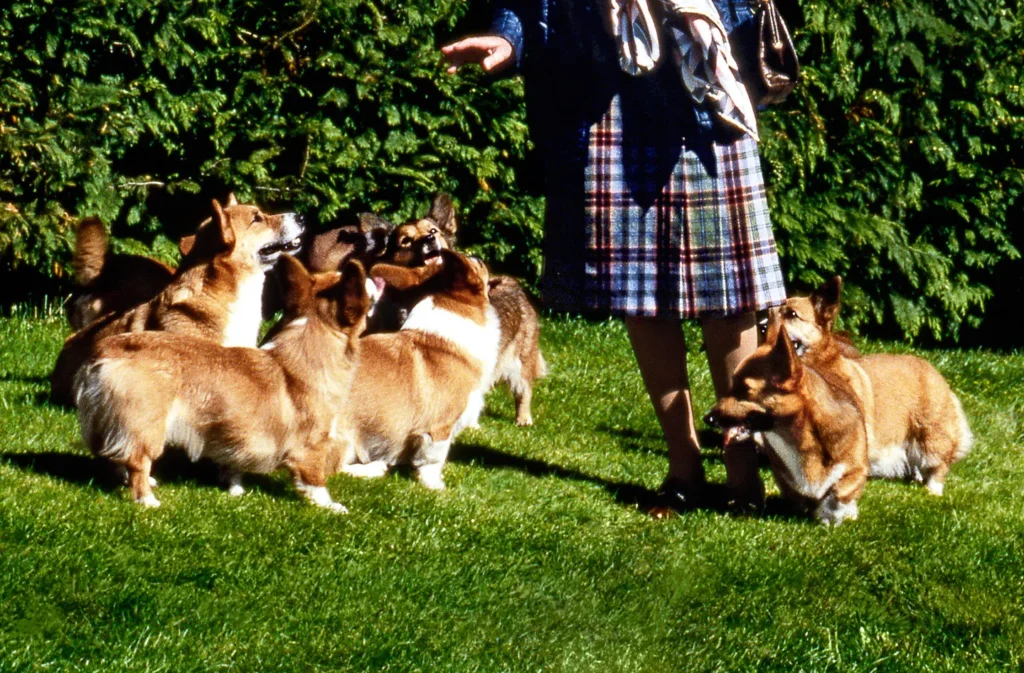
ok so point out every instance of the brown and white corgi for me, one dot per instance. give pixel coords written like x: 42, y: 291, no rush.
x: 107, y: 281
x: 809, y: 423
x: 215, y: 294
x: 917, y: 425
x: 414, y: 390
x: 520, y: 362
x: 248, y: 409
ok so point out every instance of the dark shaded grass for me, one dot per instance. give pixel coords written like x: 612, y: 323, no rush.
x: 539, y: 556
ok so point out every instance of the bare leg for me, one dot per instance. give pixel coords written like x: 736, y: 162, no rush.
x: 727, y: 342
x: 660, y: 349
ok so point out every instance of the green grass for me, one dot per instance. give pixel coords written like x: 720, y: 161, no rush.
x: 538, y: 557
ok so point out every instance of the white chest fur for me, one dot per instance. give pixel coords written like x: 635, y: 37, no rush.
x: 478, y: 341
x: 790, y: 456
x: 245, y: 313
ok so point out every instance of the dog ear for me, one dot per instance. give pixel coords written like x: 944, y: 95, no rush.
x: 223, y: 225
x: 351, y: 290
x: 465, y: 269
x: 826, y: 300
x: 785, y: 364
x: 186, y: 244
x: 442, y: 211
x: 376, y: 231
x: 296, y: 283
x: 404, y: 278
x: 231, y: 200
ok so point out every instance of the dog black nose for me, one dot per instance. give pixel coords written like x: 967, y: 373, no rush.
x: 429, y: 238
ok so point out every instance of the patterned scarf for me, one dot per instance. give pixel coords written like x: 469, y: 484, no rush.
x: 700, y: 50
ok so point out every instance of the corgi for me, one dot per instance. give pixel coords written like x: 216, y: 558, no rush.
x: 809, y: 423
x: 365, y: 240
x: 414, y: 390
x: 918, y: 428
x: 520, y: 361
x: 248, y: 409
x: 107, y: 281
x: 214, y: 294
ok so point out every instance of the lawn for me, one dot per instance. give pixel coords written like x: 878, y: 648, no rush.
x: 540, y: 556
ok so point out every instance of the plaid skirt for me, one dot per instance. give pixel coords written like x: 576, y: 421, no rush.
x: 669, y: 230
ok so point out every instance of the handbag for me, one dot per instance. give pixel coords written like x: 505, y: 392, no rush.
x: 777, y: 64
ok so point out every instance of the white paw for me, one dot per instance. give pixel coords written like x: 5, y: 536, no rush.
x: 337, y: 508
x: 430, y: 476
x: 935, y: 487
x: 148, y: 500
x: 373, y: 470
x: 236, y: 490
x: 152, y: 482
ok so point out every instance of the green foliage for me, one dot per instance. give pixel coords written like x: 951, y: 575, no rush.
x: 895, y: 161
x: 116, y: 109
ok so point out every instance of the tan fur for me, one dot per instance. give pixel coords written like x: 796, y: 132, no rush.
x: 917, y: 426
x: 810, y: 423
x: 215, y: 290
x: 520, y: 362
x: 247, y: 409
x: 415, y: 389
x: 107, y: 281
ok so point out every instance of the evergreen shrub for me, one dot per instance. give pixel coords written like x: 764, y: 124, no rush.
x: 893, y: 163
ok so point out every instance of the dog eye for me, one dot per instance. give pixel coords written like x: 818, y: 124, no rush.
x: 790, y: 313
x: 405, y: 242
x: 433, y: 231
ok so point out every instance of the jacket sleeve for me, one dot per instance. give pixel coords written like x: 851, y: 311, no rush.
x: 508, y: 23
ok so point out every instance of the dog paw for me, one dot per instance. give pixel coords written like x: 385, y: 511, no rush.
x: 336, y: 508
x: 524, y: 421
x: 373, y: 470
x: 148, y: 500
x: 236, y: 490
x: 430, y: 477
x: 935, y: 488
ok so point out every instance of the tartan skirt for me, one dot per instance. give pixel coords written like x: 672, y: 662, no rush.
x: 669, y: 230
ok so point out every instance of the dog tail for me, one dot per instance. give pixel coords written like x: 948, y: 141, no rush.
x: 90, y: 251
x: 966, y: 439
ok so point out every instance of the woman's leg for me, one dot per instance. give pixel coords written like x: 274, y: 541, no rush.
x: 660, y: 349
x: 727, y: 342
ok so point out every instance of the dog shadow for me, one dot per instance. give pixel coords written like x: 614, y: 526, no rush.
x: 174, y: 467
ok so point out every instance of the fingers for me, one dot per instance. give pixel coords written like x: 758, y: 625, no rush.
x: 499, y: 58
x: 491, y: 52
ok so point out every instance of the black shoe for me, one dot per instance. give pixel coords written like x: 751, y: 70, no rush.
x: 680, y: 496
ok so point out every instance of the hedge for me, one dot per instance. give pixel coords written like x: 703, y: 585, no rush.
x: 893, y: 163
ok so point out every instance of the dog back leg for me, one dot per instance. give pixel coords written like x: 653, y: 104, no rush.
x: 428, y: 458
x: 139, y: 465
x: 310, y: 478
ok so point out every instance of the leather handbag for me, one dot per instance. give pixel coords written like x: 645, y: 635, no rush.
x: 777, y: 65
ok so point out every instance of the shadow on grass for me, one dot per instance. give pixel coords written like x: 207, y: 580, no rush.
x: 632, y: 495
x: 639, y: 441
x: 716, y: 496
x: 16, y: 378
x: 173, y: 467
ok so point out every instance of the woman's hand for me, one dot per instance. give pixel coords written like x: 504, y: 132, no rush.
x: 490, y: 52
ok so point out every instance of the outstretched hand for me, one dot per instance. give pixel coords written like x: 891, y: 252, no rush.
x: 490, y: 52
